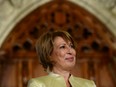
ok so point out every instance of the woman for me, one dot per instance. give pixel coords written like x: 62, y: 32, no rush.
x: 57, y: 54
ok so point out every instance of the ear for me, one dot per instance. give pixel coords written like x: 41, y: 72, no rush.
x: 50, y: 57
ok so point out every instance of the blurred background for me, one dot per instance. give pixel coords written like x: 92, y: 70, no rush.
x: 92, y: 23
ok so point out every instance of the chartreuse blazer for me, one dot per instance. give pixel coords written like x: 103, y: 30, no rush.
x: 55, y: 80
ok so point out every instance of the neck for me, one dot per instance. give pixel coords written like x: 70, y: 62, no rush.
x: 64, y: 73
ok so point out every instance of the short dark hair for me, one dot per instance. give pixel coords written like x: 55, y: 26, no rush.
x: 44, y: 46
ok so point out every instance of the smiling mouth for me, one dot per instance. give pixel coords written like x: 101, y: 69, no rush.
x: 71, y: 59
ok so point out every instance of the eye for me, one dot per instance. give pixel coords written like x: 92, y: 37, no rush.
x: 62, y: 46
x: 71, y: 45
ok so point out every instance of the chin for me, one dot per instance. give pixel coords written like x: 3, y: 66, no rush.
x: 72, y: 66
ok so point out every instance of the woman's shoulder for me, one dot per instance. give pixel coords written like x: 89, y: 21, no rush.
x: 83, y: 81
x: 80, y: 78
x: 39, y: 81
x: 41, y: 78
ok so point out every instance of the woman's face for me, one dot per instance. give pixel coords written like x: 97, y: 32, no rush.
x: 63, y: 54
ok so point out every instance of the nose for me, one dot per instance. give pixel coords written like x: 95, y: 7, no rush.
x: 69, y: 50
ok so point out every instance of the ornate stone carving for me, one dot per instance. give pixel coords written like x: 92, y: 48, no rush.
x: 110, y: 4
x: 16, y: 3
x: 5, y: 9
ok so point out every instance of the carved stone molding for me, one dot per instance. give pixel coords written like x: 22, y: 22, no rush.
x: 110, y: 4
